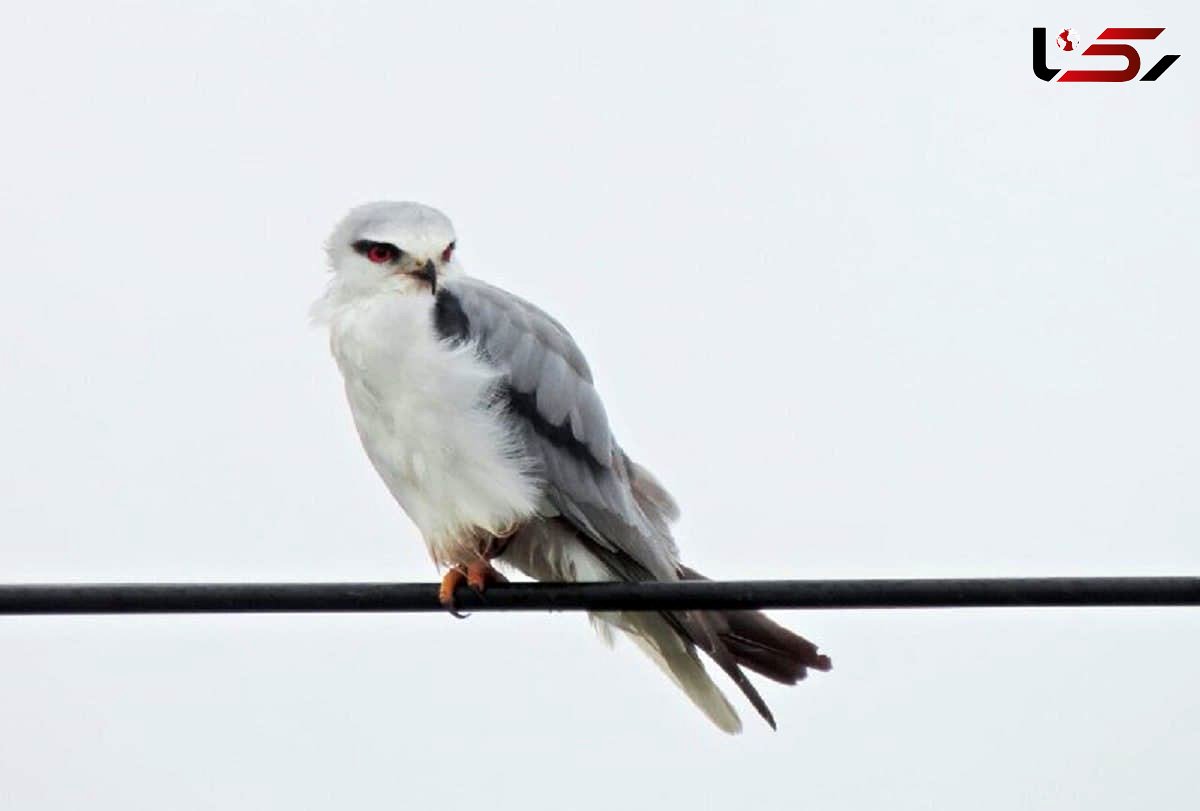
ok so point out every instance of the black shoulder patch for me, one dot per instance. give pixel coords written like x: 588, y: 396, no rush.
x: 449, y: 319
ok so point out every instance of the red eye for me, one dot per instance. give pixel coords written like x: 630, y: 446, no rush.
x: 380, y: 253
x: 446, y: 254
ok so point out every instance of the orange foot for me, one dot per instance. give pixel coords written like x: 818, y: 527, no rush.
x: 480, y: 573
x: 455, y: 576
x: 477, y: 574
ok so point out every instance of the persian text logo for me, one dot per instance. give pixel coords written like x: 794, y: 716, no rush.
x: 1067, y: 42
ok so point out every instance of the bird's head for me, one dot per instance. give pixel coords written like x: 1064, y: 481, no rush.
x: 404, y: 247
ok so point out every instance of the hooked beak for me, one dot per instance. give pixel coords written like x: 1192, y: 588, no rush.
x: 428, y: 273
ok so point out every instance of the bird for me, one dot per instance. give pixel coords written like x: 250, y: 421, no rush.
x: 481, y: 415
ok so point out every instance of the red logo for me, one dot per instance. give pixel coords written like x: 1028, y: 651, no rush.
x: 1067, y: 41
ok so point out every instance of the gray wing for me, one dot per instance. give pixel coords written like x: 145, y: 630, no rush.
x: 549, y: 394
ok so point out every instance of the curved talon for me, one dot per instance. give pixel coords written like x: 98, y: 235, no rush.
x: 454, y: 577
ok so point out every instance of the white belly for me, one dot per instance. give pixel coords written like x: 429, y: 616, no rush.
x: 420, y: 408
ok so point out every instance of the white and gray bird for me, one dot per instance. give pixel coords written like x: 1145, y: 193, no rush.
x: 479, y: 412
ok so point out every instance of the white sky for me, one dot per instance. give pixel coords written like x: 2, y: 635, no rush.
x: 870, y: 299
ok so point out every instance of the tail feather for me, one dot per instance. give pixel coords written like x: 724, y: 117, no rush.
x: 698, y: 628
x: 750, y: 639
x: 554, y: 549
x: 677, y: 658
x: 768, y: 648
x: 733, y: 640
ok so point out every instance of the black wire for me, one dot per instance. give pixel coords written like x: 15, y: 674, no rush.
x: 171, y: 598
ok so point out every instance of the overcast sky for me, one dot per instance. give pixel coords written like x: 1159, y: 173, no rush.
x: 870, y: 298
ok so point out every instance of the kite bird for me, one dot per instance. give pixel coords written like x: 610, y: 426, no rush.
x: 479, y: 412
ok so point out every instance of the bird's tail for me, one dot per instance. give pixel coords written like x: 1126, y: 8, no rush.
x: 676, y: 656
x: 749, y: 639
x: 759, y: 643
x: 733, y: 640
x: 554, y: 550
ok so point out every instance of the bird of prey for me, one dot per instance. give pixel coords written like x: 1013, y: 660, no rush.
x: 480, y: 414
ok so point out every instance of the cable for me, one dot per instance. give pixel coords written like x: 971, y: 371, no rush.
x: 175, y: 598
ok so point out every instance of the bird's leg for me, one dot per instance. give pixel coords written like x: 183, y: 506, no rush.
x: 480, y: 572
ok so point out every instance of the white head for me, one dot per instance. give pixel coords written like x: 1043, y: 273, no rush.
x: 402, y: 247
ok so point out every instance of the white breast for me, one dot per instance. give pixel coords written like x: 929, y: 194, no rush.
x: 420, y: 408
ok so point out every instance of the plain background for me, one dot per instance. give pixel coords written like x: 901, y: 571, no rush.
x: 868, y: 296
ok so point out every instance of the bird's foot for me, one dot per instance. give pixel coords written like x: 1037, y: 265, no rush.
x: 480, y: 573
x: 477, y: 575
x: 455, y: 576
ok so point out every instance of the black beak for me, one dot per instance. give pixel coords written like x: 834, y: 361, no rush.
x: 428, y: 273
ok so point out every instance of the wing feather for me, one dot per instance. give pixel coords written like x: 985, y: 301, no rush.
x: 550, y: 396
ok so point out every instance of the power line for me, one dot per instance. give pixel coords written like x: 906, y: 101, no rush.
x: 178, y: 598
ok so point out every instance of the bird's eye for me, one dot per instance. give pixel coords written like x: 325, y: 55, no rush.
x: 448, y: 252
x: 378, y: 252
